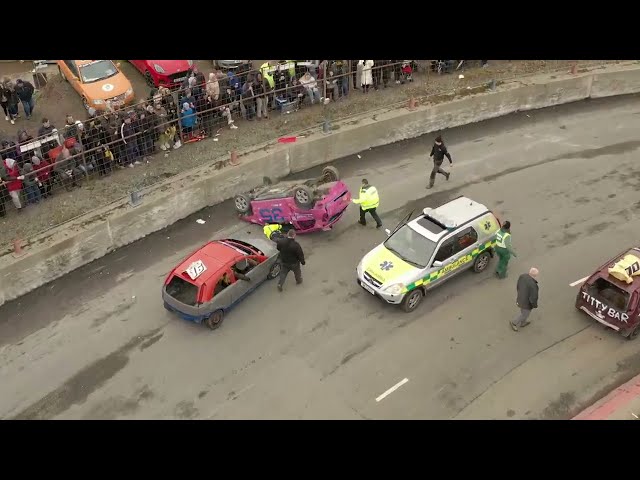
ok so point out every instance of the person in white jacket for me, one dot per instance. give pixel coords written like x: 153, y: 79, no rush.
x: 367, y: 77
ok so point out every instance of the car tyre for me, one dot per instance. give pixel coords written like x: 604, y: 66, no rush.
x: 242, y: 203
x: 411, y: 300
x: 481, y: 262
x: 214, y: 320
x: 330, y: 174
x: 274, y: 271
x: 634, y: 333
x: 303, y: 195
x: 149, y: 79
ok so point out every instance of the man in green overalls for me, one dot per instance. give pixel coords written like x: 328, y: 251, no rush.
x: 504, y: 249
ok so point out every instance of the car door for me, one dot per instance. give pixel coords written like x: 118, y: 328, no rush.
x: 222, y: 299
x: 455, y: 254
x: 73, y: 75
x: 141, y: 65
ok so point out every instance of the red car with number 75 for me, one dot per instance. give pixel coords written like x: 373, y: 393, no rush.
x: 310, y: 206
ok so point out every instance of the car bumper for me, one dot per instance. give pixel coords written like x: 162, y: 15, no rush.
x: 600, y: 320
x: 184, y: 316
x: 370, y: 289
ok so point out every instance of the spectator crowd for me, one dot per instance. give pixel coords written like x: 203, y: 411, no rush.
x: 126, y: 138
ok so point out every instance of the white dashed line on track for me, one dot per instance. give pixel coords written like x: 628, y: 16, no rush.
x: 392, y: 389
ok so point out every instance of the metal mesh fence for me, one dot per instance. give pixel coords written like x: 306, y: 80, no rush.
x: 35, y: 168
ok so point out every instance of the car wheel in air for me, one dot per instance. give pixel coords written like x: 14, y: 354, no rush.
x: 275, y: 271
x: 412, y: 300
x: 634, y: 334
x: 242, y: 203
x: 214, y: 320
x: 481, y: 262
x: 149, y: 79
x: 303, y: 196
x: 330, y: 174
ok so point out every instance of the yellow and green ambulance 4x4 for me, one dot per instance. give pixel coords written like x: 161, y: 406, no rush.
x: 429, y: 250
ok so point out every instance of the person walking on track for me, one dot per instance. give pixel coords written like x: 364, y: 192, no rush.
x: 527, y: 298
x: 368, y: 200
x: 438, y: 152
x: 504, y: 249
x: 291, y: 257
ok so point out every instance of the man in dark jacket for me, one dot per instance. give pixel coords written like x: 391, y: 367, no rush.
x: 438, y: 152
x: 527, y: 298
x: 291, y: 257
x: 25, y: 90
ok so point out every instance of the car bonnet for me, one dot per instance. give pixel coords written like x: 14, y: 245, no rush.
x: 385, y: 266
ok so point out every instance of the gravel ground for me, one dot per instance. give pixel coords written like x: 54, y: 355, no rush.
x: 57, y: 98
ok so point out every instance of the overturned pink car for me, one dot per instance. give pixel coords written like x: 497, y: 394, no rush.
x: 310, y: 206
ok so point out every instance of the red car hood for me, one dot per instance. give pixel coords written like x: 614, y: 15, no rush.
x: 171, y: 66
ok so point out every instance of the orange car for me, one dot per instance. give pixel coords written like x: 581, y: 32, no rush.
x: 97, y: 82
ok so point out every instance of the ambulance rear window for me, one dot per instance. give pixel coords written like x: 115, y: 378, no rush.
x: 183, y: 291
x: 609, y: 294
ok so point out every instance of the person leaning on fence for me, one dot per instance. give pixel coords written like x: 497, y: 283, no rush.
x: 31, y: 184
x: 311, y: 87
x: 127, y: 134
x: 42, y: 167
x: 65, y: 170
x: 339, y: 68
x: 187, y: 118
x: 262, y: 100
x: 14, y: 181
x: 366, y: 79
x: 4, y: 193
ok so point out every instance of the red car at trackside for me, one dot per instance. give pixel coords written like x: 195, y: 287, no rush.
x: 165, y: 73
x: 611, y: 295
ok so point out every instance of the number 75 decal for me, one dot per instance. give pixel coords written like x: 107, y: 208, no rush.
x: 271, y: 215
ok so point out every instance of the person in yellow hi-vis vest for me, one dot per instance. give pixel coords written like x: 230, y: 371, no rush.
x: 271, y: 228
x: 504, y: 249
x: 368, y: 201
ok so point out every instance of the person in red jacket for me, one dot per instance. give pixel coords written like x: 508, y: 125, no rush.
x: 14, y: 184
x: 43, y: 172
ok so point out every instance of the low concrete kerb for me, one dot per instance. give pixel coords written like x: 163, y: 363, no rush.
x: 52, y: 254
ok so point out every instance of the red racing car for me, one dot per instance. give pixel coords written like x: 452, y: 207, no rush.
x: 314, y: 205
x: 166, y: 73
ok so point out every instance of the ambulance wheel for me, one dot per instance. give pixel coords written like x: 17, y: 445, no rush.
x: 214, y: 320
x: 330, y: 174
x: 275, y: 271
x: 242, y: 203
x: 412, y: 300
x: 482, y: 262
x: 634, y: 334
x: 303, y: 196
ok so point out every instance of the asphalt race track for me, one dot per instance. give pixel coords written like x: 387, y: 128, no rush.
x: 98, y: 343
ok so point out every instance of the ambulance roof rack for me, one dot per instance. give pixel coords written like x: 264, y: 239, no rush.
x: 439, y: 219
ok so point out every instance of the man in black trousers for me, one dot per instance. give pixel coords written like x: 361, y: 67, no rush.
x: 291, y: 257
x: 438, y: 152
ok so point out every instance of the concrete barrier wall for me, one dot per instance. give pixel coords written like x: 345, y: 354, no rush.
x: 93, y: 235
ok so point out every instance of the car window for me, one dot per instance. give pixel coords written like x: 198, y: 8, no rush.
x: 464, y: 240
x: 410, y: 246
x: 609, y: 294
x: 183, y: 291
x: 72, y: 66
x: 225, y: 280
x: 446, y: 250
x: 99, y: 70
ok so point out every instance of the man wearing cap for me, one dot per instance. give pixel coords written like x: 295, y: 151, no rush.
x: 527, y: 298
x: 438, y: 152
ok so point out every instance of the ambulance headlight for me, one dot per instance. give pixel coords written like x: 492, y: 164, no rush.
x: 395, y: 289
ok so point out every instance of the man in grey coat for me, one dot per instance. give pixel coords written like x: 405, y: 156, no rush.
x: 527, y: 298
